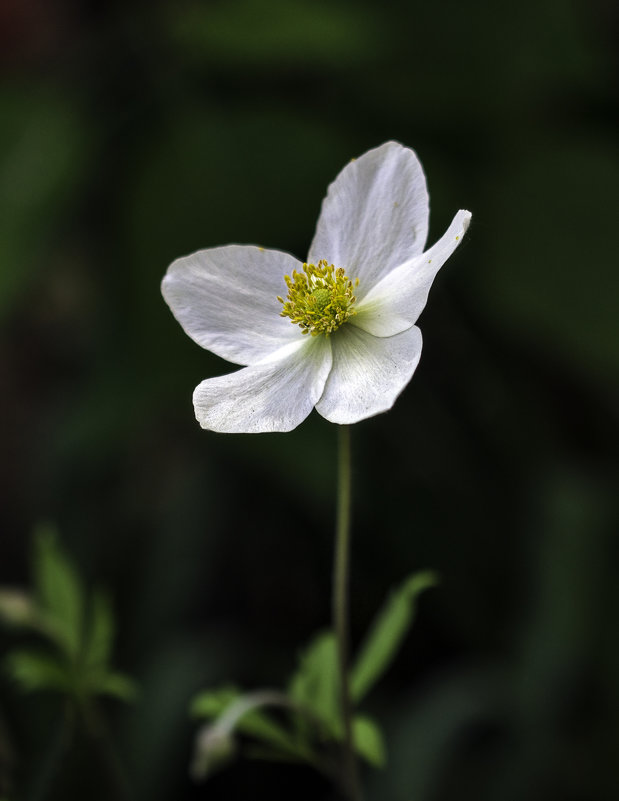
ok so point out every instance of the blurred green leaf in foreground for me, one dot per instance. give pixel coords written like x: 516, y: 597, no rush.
x: 72, y: 633
x: 76, y: 630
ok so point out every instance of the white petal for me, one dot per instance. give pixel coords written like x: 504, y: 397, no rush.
x: 375, y: 215
x: 395, y: 303
x: 226, y: 300
x: 368, y: 373
x: 274, y: 395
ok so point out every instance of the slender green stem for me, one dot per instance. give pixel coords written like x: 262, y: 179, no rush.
x: 340, y: 606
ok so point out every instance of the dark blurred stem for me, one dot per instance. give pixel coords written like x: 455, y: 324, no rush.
x: 106, y: 752
x: 44, y: 781
x: 340, y: 607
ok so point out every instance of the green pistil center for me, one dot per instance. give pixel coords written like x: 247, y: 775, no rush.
x: 320, y: 298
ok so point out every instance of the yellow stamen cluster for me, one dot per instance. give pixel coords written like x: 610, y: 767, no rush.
x: 320, y: 298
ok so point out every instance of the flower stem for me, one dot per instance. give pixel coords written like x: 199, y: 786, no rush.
x: 340, y: 607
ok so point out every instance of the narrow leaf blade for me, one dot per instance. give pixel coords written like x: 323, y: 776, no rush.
x: 36, y: 670
x: 315, y: 685
x: 387, y: 633
x: 369, y: 742
x: 211, y: 703
x: 214, y: 704
x: 59, y: 592
x: 116, y: 685
x: 100, y: 632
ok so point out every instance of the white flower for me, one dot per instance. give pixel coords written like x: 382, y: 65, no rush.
x: 311, y: 335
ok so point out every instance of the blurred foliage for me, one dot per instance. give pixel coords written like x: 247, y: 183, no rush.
x: 74, y: 633
x: 311, y: 700
x: 78, y: 631
x: 133, y: 133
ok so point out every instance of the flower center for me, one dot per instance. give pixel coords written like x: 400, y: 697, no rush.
x: 320, y: 298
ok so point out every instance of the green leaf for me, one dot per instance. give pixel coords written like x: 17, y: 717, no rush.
x: 59, y: 591
x: 100, y: 632
x: 315, y: 685
x: 115, y: 684
x: 386, y: 634
x: 211, y: 703
x: 37, y: 670
x: 80, y: 665
x: 369, y: 742
x: 259, y: 725
x: 215, y: 704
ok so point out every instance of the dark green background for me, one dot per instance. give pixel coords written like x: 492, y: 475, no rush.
x: 133, y: 133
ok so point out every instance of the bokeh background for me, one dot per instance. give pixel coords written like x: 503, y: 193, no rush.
x: 136, y: 132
